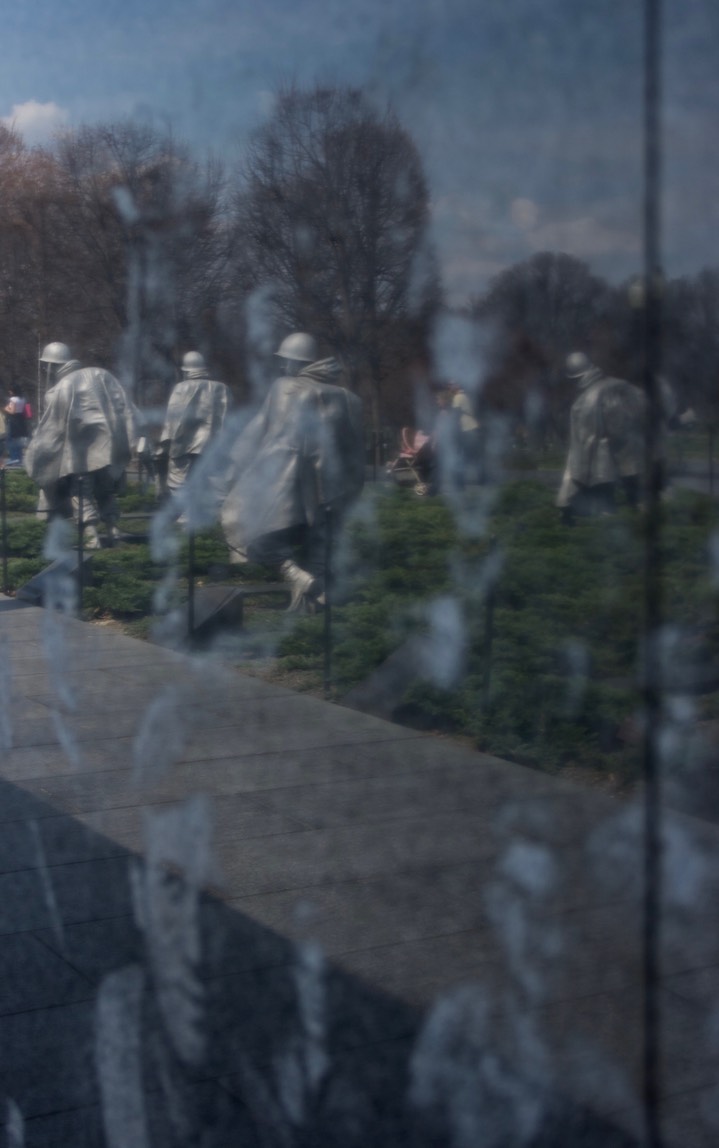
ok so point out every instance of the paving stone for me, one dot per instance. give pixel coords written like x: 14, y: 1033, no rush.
x: 18, y: 847
x: 97, y: 947
x: 46, y: 1059
x: 691, y: 1119
x: 91, y: 890
x: 445, y: 787
x: 351, y: 853
x: 96, y: 789
x: 32, y: 976
x: 700, y: 986
x: 23, y: 904
x: 347, y: 916
x: 81, y: 1128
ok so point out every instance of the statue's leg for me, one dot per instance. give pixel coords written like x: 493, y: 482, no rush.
x: 278, y: 550
x: 55, y: 500
x: 90, y: 514
x: 104, y: 496
x: 631, y: 490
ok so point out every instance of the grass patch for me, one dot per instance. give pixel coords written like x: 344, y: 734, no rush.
x: 560, y: 686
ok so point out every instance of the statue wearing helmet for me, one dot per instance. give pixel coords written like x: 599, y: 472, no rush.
x: 195, y: 414
x: 87, y: 431
x: 296, y: 351
x: 57, y: 353
x: 606, y: 441
x: 301, y: 456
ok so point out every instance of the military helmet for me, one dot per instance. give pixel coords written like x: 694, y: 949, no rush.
x: 299, y: 347
x: 56, y: 353
x: 193, y: 361
x: 577, y: 364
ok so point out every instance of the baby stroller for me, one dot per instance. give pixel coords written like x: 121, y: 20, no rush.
x: 414, y: 464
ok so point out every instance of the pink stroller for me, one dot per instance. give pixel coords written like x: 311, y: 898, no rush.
x: 415, y: 461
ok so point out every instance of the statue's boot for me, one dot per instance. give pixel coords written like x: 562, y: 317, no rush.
x: 301, y: 584
x: 91, y: 539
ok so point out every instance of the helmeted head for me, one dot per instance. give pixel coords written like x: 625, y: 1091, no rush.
x: 577, y: 364
x: 296, y: 350
x: 193, y: 363
x: 58, y: 361
x: 58, y: 353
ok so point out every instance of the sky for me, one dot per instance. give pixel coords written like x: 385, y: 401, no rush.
x: 527, y: 113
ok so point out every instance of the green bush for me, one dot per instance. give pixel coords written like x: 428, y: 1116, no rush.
x: 123, y: 582
x: 135, y: 499
x: 122, y: 595
x: 25, y: 537
x: 20, y: 492
x: 21, y: 570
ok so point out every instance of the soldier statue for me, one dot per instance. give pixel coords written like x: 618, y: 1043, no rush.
x: 86, y: 435
x: 195, y: 414
x: 300, y: 459
x: 606, y: 441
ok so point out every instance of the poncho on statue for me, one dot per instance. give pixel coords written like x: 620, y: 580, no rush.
x: 606, y: 440
x: 195, y: 413
x: 88, y: 424
x: 304, y: 449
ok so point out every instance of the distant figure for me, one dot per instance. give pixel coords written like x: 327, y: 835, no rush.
x: 300, y: 456
x: 87, y: 431
x: 606, y: 441
x: 17, y: 427
x: 195, y: 414
x: 448, y: 467
x: 414, y: 465
x: 468, y: 436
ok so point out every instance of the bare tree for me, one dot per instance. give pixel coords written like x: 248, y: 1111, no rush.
x: 142, y: 243
x: 30, y: 295
x: 538, y: 311
x: 691, y: 351
x: 332, y: 213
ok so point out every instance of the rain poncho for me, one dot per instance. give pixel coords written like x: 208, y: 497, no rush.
x: 606, y: 440
x: 88, y: 424
x: 195, y: 413
x: 304, y: 449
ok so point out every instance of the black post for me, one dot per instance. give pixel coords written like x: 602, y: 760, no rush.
x: 80, y: 540
x: 489, y: 604
x: 3, y: 513
x: 328, y: 602
x: 653, y: 612
x: 190, y: 584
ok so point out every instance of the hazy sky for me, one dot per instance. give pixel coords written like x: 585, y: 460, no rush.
x: 526, y: 112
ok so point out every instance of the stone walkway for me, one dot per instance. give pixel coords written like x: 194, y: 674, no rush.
x: 420, y: 869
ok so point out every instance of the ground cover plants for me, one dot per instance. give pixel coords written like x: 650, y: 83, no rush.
x: 531, y: 629
x: 558, y: 687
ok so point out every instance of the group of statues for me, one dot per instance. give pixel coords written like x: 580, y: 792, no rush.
x: 298, y: 463
x: 294, y: 467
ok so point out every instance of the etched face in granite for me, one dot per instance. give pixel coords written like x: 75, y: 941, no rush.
x: 166, y: 899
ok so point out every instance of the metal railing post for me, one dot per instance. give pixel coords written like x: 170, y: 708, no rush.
x: 328, y: 602
x: 80, y: 541
x: 3, y: 513
x: 191, y: 584
x: 489, y: 605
